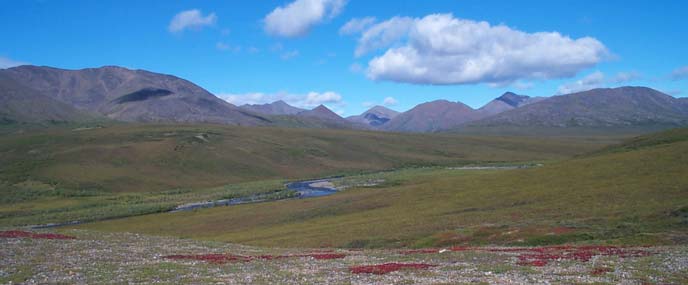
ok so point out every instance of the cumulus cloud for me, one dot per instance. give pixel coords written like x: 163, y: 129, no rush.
x: 191, y: 19
x: 298, y: 17
x: 390, y: 101
x: 383, y: 34
x: 307, y: 101
x: 591, y: 81
x: 8, y: 62
x: 356, y: 25
x: 680, y: 73
x: 442, y: 49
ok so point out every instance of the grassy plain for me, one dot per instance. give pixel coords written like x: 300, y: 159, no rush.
x: 67, y: 173
x: 632, y: 193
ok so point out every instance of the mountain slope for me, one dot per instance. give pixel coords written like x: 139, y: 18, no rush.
x: 132, y: 95
x: 322, y: 117
x: 374, y: 117
x: 623, y: 106
x: 432, y: 116
x: 19, y: 103
x: 508, y: 101
x: 275, y: 108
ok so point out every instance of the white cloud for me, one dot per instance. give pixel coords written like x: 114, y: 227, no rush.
x: 680, y: 73
x: 307, y: 101
x: 246, y: 98
x: 298, y: 17
x: 597, y: 79
x: 442, y: 49
x: 356, y: 25
x: 626, y: 76
x: 314, y: 99
x: 8, y: 62
x: 591, y: 81
x: 368, y: 104
x: 191, y: 19
x: 390, y: 101
x: 383, y: 34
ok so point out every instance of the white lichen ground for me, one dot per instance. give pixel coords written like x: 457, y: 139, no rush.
x: 106, y: 258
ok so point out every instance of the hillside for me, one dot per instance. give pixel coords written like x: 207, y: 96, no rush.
x: 623, y: 106
x: 19, y: 103
x: 635, y: 196
x: 432, y: 116
x: 130, y: 95
x: 147, y: 158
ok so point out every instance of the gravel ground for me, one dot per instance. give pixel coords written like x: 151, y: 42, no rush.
x: 106, y: 258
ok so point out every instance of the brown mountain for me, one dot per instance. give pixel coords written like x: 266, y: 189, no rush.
x: 604, y: 107
x: 508, y: 101
x: 432, y: 116
x: 19, y: 103
x: 375, y: 117
x: 131, y: 95
x: 322, y: 117
x: 275, y: 108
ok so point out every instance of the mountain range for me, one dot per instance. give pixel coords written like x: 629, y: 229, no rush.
x: 46, y: 94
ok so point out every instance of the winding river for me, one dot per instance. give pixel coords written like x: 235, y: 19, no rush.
x: 304, y: 189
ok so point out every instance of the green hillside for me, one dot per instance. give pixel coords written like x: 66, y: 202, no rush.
x: 145, y: 158
x: 626, y: 194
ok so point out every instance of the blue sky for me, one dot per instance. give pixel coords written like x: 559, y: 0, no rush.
x: 411, y: 52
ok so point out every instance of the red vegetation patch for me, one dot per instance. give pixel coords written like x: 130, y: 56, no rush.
x: 225, y: 258
x: 24, y: 234
x: 387, y: 268
x: 326, y: 255
x: 313, y: 255
x: 600, y: 271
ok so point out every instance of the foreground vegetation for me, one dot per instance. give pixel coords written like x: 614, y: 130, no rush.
x: 120, y: 258
x: 634, y: 193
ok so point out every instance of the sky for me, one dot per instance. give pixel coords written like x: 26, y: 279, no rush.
x: 351, y: 55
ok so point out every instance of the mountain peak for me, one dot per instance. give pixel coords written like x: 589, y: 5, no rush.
x: 512, y: 99
x: 278, y: 107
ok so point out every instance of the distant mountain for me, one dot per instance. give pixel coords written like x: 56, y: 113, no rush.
x: 508, y: 101
x: 605, y: 107
x: 19, y: 103
x: 275, y: 108
x: 131, y: 95
x: 374, y: 117
x: 432, y: 116
x: 321, y: 117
